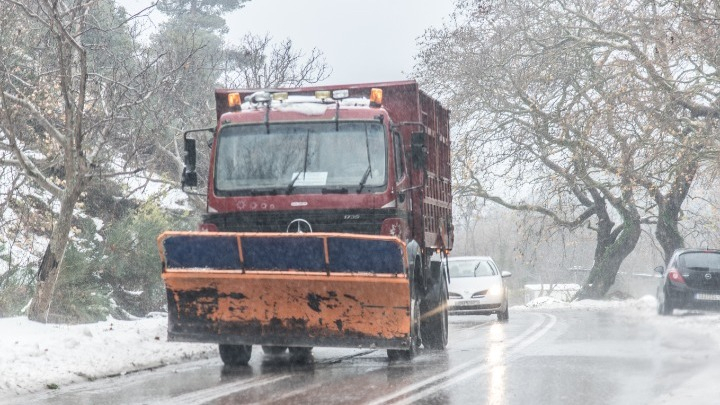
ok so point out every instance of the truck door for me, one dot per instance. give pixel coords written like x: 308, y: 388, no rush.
x: 402, y: 180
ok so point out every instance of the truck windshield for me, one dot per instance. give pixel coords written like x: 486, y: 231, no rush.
x: 300, y: 155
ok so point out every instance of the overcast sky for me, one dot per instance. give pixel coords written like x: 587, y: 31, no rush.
x: 362, y: 40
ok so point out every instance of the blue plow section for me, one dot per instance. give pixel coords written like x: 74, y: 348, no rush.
x: 317, y: 252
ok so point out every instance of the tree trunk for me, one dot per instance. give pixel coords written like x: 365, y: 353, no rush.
x: 49, y: 269
x: 613, y: 246
x: 667, y: 232
x: 669, y: 209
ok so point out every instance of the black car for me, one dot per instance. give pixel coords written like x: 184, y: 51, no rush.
x: 691, y: 281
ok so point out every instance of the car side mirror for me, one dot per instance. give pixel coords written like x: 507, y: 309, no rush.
x: 660, y: 269
x: 505, y: 274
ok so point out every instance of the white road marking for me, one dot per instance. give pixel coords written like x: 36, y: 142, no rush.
x: 430, y: 386
x: 211, y: 394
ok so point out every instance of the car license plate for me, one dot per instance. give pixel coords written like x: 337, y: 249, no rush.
x: 707, y: 297
x: 465, y: 303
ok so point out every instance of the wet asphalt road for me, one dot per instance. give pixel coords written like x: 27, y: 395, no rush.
x: 539, y: 357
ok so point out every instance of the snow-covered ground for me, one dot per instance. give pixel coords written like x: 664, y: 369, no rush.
x: 36, y: 356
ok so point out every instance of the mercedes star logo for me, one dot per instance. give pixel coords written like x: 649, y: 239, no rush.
x: 299, y: 225
x: 708, y: 276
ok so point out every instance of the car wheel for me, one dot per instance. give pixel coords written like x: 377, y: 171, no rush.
x: 274, y: 350
x: 504, y: 315
x: 235, y: 355
x: 665, y: 307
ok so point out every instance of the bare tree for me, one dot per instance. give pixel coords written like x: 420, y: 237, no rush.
x: 580, y: 106
x: 670, y: 87
x: 259, y: 63
x: 70, y: 82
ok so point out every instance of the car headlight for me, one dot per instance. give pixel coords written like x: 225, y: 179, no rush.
x: 495, y: 290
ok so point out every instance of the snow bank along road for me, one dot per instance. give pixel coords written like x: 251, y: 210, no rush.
x: 36, y: 356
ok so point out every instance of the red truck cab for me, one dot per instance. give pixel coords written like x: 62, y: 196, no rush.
x: 349, y: 164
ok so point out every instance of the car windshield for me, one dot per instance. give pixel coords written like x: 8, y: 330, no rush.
x: 470, y: 268
x: 300, y: 155
x: 700, y: 261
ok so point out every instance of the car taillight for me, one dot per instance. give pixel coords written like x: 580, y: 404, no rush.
x: 208, y: 228
x: 675, y: 276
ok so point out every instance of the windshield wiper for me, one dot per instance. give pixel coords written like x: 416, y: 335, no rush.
x: 291, y: 186
x: 368, y: 171
x: 364, y: 178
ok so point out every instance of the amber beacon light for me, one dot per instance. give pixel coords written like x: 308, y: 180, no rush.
x: 376, y: 96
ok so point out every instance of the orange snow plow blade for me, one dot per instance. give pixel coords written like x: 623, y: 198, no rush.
x: 318, y: 289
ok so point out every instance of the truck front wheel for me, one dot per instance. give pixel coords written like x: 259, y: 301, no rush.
x: 235, y: 355
x: 300, y: 354
x: 415, y: 340
x: 274, y: 350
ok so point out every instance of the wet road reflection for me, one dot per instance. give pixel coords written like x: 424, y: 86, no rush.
x: 537, y: 358
x: 496, y: 362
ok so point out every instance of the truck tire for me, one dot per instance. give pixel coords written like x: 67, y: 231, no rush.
x: 235, y: 355
x: 274, y: 350
x: 434, y: 323
x: 300, y: 354
x: 409, y: 354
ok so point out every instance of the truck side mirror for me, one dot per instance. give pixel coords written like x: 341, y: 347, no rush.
x: 419, y: 150
x: 189, y: 177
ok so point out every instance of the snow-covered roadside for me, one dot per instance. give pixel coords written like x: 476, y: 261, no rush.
x: 35, y: 356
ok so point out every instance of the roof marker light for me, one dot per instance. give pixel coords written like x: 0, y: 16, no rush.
x: 233, y: 101
x: 340, y: 94
x: 322, y: 94
x: 376, y: 96
x: 280, y: 96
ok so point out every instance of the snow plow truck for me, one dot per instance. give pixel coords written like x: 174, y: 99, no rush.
x: 328, y: 217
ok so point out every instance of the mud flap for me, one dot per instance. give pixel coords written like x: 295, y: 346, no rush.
x: 319, y: 289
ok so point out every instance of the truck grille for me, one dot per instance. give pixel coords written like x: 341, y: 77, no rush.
x: 351, y: 221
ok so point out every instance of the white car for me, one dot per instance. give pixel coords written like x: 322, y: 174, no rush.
x: 477, y: 286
